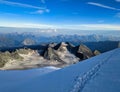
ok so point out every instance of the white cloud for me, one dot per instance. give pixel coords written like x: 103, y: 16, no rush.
x: 26, y: 25
x: 103, y: 6
x: 33, y: 25
x: 42, y: 11
x: 93, y: 27
x: 38, y: 12
x: 117, y: 0
x: 19, y: 4
x: 80, y: 26
x: 99, y: 27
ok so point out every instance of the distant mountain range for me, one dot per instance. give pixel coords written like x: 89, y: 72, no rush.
x: 21, y: 39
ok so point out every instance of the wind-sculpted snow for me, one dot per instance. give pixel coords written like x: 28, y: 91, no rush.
x: 82, y: 80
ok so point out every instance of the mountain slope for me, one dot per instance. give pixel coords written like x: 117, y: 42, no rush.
x: 97, y: 74
x: 58, y: 55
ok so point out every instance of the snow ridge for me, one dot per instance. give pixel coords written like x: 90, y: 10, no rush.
x: 82, y: 80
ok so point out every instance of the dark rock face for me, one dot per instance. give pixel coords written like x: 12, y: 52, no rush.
x: 70, y: 47
x: 86, y: 51
x: 50, y: 54
x: 57, y: 52
x: 61, y: 46
x: 80, y: 55
x: 81, y: 51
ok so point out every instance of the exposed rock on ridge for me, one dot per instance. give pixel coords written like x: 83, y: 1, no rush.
x: 58, y: 55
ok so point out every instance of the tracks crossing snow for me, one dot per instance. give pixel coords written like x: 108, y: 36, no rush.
x: 82, y: 80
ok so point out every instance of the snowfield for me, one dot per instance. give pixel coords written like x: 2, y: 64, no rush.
x: 98, y: 74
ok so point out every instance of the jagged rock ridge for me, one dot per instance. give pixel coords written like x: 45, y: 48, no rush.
x: 59, y: 55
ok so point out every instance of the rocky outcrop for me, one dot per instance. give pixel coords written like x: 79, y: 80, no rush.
x: 60, y: 55
x: 61, y: 46
x: 96, y: 52
x: 67, y: 50
x: 50, y: 54
x: 83, y: 52
x: 70, y: 47
x: 6, y: 57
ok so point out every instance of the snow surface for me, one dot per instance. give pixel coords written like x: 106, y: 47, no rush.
x: 97, y: 74
x: 14, y: 77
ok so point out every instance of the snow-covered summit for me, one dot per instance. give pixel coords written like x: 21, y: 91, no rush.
x: 97, y: 74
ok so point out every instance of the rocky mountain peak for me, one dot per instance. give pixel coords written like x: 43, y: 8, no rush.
x: 60, y: 55
x: 61, y: 46
x: 52, y: 45
x: 83, y: 52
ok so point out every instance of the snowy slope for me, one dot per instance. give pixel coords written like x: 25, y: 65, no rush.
x: 14, y: 77
x: 97, y: 74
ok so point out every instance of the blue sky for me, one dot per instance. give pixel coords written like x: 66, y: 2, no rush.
x: 73, y: 14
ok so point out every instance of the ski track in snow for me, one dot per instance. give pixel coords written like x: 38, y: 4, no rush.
x: 80, y: 81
